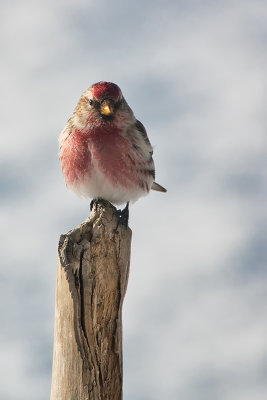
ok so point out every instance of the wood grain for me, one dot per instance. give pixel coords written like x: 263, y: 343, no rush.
x: 92, y: 276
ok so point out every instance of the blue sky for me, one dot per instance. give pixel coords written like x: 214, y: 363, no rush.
x: 195, y: 74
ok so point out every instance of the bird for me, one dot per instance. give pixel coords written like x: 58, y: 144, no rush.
x: 104, y: 150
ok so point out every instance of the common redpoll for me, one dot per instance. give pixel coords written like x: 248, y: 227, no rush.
x: 104, y: 150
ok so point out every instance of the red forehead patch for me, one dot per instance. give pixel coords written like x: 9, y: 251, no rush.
x: 106, y: 89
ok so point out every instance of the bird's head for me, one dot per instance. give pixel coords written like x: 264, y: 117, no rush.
x: 101, y: 102
x: 106, y: 98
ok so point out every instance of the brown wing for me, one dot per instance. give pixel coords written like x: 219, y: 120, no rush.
x: 140, y: 127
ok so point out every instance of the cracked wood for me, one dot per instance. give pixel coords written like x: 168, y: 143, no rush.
x: 92, y: 278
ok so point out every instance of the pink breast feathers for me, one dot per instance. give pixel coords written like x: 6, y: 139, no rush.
x: 111, y: 152
x: 104, y: 151
x: 76, y: 158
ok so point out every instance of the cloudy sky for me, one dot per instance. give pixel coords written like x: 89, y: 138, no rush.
x: 194, y: 72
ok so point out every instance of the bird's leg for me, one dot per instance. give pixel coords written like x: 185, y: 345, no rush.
x: 95, y: 201
x: 92, y: 204
x: 123, y: 216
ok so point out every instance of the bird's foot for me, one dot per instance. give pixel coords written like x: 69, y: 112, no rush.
x: 95, y: 202
x: 92, y: 204
x: 123, y: 216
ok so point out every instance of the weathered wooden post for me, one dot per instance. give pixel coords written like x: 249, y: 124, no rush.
x: 92, y: 277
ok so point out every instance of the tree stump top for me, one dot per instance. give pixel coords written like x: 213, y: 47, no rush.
x: 92, y: 280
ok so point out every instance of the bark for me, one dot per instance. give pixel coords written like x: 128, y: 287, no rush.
x: 92, y: 275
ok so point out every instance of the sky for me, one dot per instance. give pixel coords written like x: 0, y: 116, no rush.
x: 194, y: 73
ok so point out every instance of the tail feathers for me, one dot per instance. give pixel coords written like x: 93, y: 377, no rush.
x: 158, y: 188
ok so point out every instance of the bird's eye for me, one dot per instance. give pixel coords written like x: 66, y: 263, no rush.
x: 91, y: 102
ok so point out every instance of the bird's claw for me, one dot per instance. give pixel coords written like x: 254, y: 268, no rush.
x: 123, y: 216
x: 92, y: 204
x: 95, y: 202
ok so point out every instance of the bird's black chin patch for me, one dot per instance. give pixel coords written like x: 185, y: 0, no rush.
x: 107, y: 117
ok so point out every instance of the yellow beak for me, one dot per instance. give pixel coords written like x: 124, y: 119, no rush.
x: 106, y: 108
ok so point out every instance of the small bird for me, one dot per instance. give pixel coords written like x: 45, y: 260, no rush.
x: 104, y: 150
